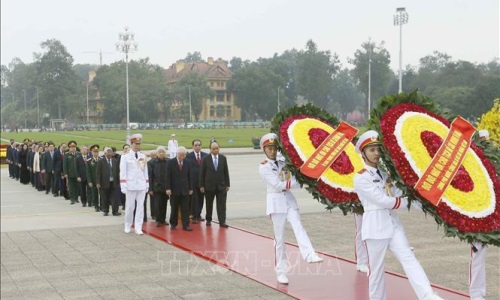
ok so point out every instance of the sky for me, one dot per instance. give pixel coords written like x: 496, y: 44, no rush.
x: 167, y: 30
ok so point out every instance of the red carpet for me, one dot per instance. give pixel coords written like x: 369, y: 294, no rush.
x: 251, y: 255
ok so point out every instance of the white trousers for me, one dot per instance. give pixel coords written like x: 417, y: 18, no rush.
x: 132, y: 198
x: 400, y: 247
x: 359, y: 247
x: 305, y: 246
x: 477, y: 271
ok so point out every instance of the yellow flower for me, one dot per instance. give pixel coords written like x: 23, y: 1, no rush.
x: 479, y: 202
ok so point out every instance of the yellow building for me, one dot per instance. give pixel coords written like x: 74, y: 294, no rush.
x: 221, y: 106
x: 95, y: 104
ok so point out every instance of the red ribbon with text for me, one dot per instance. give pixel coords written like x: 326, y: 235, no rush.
x: 328, y: 151
x: 446, y: 162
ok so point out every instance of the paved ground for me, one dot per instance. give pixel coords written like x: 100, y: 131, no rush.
x: 53, y: 250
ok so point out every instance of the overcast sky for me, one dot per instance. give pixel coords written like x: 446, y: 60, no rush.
x: 167, y: 30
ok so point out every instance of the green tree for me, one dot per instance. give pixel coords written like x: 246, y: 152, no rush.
x: 345, y: 93
x: 193, y: 57
x: 381, y: 74
x: 61, y: 86
x: 190, y: 91
x: 315, y: 70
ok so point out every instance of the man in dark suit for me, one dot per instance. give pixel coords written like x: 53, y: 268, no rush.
x: 107, y: 178
x: 197, y: 198
x: 82, y: 169
x: 179, y: 188
x: 214, y: 182
x: 60, y: 187
x: 157, y: 185
x: 47, y: 168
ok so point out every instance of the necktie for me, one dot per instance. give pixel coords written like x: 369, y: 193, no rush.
x: 198, y: 158
x: 378, y: 172
x: 51, y: 155
x: 110, y: 170
x: 215, y: 163
x: 136, y: 156
x: 276, y: 162
x: 180, y: 165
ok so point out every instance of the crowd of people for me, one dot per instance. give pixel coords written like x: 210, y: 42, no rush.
x: 104, y: 179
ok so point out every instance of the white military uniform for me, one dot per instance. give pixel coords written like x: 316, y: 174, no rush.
x: 134, y: 182
x: 282, y: 206
x: 172, y: 148
x: 359, y: 247
x: 477, y: 271
x: 382, y: 230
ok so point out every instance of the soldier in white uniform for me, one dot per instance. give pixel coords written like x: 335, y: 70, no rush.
x: 172, y: 146
x: 134, y: 183
x: 477, y: 264
x: 282, y: 206
x: 381, y: 229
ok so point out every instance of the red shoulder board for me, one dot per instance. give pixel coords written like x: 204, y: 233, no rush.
x: 264, y: 162
x: 362, y: 171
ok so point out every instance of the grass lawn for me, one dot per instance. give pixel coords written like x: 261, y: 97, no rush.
x: 227, y: 138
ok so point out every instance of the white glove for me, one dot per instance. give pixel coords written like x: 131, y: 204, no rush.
x: 124, y: 190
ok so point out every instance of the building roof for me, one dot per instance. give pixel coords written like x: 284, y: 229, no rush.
x: 212, y: 69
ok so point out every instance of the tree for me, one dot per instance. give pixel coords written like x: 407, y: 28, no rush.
x: 147, y: 91
x: 193, y: 57
x: 345, y: 93
x: 59, y: 81
x: 381, y: 74
x: 191, y: 90
x: 315, y: 70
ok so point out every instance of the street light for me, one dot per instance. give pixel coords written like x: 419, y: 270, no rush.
x: 88, y: 103
x: 400, y: 18
x: 126, y: 44
x: 190, y: 108
x: 278, y: 99
x: 37, y: 109
x: 369, y: 76
x: 25, y: 119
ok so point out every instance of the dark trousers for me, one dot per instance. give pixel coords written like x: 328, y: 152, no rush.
x: 57, y: 184
x: 108, y: 197
x: 221, y: 205
x: 152, y: 205
x: 49, y: 182
x: 73, y: 186
x: 94, y: 197
x: 198, y: 198
x: 83, y: 191
x: 181, y: 201
x: 32, y: 178
x: 38, y: 181
x: 161, y: 200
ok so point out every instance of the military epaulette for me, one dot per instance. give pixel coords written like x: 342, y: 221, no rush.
x: 362, y: 171
x: 264, y: 162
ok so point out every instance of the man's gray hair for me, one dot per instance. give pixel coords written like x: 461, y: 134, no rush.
x: 161, y: 149
x: 181, y: 149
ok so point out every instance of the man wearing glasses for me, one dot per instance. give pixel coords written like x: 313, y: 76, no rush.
x: 134, y: 183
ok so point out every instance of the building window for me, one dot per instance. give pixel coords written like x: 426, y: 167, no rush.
x: 228, y: 111
x: 212, y: 111
x: 220, y: 96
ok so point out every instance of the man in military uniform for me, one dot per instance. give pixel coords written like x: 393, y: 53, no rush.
x: 71, y: 171
x: 91, y: 177
x: 381, y: 229
x: 134, y: 182
x: 282, y: 206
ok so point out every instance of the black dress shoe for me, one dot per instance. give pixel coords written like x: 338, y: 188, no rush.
x: 117, y: 214
x: 173, y: 227
x: 97, y: 209
x: 164, y: 223
x: 201, y: 219
x: 195, y: 221
x: 105, y: 214
x: 158, y: 224
x: 188, y: 228
x: 224, y: 225
x: 209, y: 223
x: 84, y: 204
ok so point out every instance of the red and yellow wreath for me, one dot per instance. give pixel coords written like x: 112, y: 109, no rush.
x: 302, y: 129
x: 413, y: 130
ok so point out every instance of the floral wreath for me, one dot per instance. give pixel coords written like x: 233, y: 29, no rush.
x: 302, y: 129
x: 412, y: 128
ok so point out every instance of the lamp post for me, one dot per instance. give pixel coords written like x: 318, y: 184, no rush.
x: 369, y: 76
x: 278, y: 99
x: 37, y: 109
x: 87, y: 103
x: 126, y: 44
x: 400, y: 18
x: 25, y: 119
x: 190, y: 107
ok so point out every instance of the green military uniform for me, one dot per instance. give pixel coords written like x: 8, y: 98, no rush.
x: 70, y: 169
x: 91, y: 179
